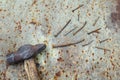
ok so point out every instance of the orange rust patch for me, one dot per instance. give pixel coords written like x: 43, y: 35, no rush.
x: 0, y: 10
x: 1, y: 61
x: 34, y: 22
x: 55, y: 78
x: 58, y: 74
x: 19, y: 27
x: 60, y: 59
x: 34, y: 2
x: 76, y: 77
x: 1, y: 39
x: 86, y: 60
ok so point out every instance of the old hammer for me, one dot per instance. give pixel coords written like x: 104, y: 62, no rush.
x: 26, y: 53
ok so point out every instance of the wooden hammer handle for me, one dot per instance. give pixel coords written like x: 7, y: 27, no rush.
x: 31, y: 70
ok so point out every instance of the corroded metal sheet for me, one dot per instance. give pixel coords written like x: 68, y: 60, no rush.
x: 38, y: 21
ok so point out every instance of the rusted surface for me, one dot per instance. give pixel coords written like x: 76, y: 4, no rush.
x: 37, y: 21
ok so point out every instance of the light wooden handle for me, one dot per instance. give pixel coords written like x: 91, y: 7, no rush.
x: 31, y: 69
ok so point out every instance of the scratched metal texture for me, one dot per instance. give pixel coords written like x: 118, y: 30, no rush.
x: 37, y: 21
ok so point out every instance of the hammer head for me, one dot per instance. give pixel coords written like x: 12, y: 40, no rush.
x: 39, y: 47
x: 25, y: 52
x: 10, y: 58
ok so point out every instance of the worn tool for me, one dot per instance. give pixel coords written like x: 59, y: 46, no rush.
x: 26, y: 53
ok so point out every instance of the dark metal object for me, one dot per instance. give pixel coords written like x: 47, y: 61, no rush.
x: 25, y: 52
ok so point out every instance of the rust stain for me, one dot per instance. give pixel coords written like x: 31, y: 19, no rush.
x: 0, y: 10
x: 34, y: 2
x: 67, y: 51
x: 1, y: 61
x: 92, y: 54
x: 48, y: 55
x: 46, y: 19
x: 86, y: 60
x: 101, y: 58
x: 48, y: 25
x: 4, y: 75
x: 76, y: 77
x: 45, y: 42
x: 19, y: 27
x: 55, y: 78
x: 60, y: 59
x: 58, y: 74
x: 34, y: 22
x: 1, y: 39
x: 49, y: 29
x: 106, y: 74
x: 14, y: 45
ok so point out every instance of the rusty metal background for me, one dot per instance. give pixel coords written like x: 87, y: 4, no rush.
x: 37, y: 21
